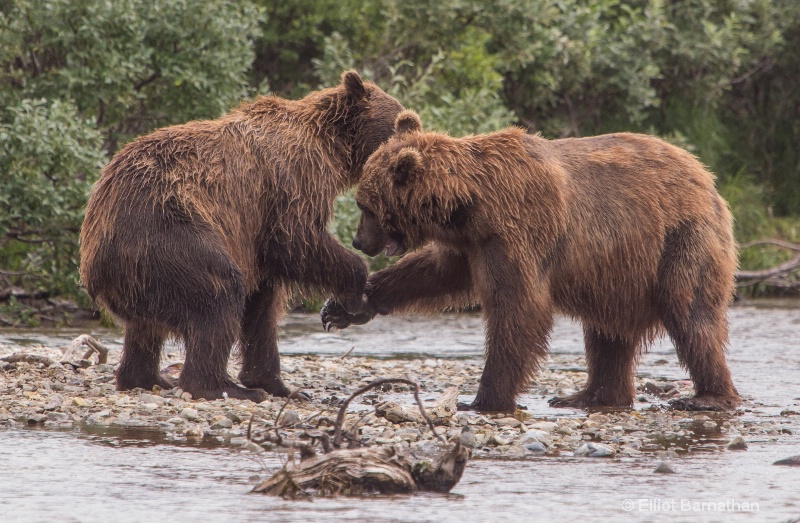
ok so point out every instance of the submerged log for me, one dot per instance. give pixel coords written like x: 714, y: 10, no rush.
x: 368, y: 471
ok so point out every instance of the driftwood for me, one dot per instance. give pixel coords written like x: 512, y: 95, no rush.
x: 367, y: 470
x: 20, y: 357
x: 95, y: 347
x: 70, y: 354
x: 784, y: 276
x: 440, y: 411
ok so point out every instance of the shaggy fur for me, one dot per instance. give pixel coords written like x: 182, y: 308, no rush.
x: 199, y: 230
x: 624, y: 232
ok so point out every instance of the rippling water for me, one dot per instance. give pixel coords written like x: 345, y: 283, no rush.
x: 126, y: 475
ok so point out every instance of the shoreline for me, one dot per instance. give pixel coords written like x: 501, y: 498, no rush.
x: 61, y: 397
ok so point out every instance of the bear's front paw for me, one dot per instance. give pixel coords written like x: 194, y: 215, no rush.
x: 336, y: 315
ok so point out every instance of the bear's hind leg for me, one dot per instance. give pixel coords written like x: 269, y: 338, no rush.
x: 610, y: 361
x: 700, y: 342
x: 141, y: 356
x: 205, y: 371
x: 210, y: 325
x: 695, y: 279
x: 261, y: 366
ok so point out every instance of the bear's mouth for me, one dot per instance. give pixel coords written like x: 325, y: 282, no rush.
x: 394, y: 247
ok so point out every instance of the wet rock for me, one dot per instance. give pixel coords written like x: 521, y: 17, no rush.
x: 190, y: 414
x: 536, y: 435
x: 546, y: 426
x: 197, y: 432
x: 737, y: 443
x: 509, y: 422
x: 467, y: 437
x: 651, y: 388
x: 56, y: 400
x: 537, y: 447
x: 594, y: 450
x: 35, y: 419
x: 221, y: 422
x: 289, y: 418
x: 663, y: 468
x: 793, y: 461
x: 409, y: 434
x: 234, y: 417
x: 152, y: 398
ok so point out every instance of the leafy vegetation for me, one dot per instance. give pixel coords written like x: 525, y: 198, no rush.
x: 79, y: 78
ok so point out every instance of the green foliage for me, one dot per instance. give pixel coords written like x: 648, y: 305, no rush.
x: 130, y: 65
x: 50, y: 157
x: 78, y: 77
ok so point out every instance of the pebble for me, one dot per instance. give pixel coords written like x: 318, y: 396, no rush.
x: 595, y: 450
x: 467, y: 437
x: 737, y: 443
x: 151, y: 399
x: 221, y: 422
x: 289, y: 418
x: 535, y: 447
x: 536, y: 435
x: 546, y: 426
x: 793, y: 461
x: 190, y: 414
x: 663, y: 468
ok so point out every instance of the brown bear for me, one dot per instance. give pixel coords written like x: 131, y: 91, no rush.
x: 199, y: 231
x: 623, y: 232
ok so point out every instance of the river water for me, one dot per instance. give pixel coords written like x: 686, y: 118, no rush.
x: 125, y: 474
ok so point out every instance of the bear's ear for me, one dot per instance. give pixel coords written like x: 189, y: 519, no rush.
x: 407, y: 122
x: 406, y: 166
x: 353, y: 85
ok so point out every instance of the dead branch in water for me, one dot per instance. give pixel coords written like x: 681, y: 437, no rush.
x: 337, y: 437
x: 782, y: 276
x: 359, y: 471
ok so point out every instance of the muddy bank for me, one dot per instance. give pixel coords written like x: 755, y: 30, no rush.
x: 61, y: 396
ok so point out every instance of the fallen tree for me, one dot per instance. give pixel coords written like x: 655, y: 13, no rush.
x: 784, y: 276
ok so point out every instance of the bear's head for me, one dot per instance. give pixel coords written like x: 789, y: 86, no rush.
x: 410, y: 192
x: 367, y: 115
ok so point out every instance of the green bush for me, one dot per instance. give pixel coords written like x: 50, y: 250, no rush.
x: 79, y: 78
x: 49, y: 161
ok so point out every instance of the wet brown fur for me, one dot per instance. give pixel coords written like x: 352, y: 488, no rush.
x: 199, y: 230
x: 624, y: 232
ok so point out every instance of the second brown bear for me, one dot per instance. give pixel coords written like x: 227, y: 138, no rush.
x: 624, y: 232
x: 200, y: 230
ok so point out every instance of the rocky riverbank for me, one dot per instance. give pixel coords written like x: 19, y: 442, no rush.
x: 74, y: 397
